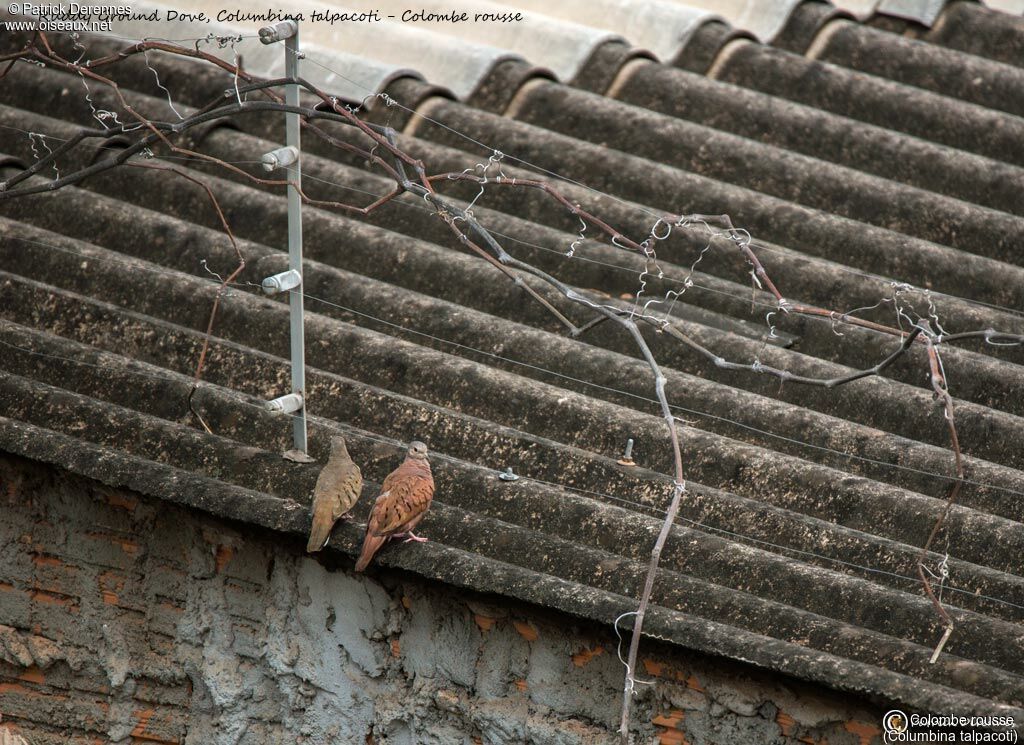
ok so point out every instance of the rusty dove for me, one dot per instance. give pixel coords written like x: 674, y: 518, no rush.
x: 404, y: 499
x: 337, y: 491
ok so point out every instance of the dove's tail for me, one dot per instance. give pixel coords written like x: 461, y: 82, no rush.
x: 371, y: 545
x: 320, y: 532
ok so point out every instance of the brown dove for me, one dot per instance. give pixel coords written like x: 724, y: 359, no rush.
x: 337, y: 490
x: 404, y: 499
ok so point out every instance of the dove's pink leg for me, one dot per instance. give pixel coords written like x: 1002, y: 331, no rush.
x: 410, y: 536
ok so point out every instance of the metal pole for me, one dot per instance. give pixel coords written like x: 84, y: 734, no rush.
x: 298, y: 332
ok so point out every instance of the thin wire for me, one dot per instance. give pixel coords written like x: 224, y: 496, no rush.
x: 685, y: 282
x: 876, y: 277
x: 145, y: 266
x: 416, y: 206
x: 485, y: 146
x: 700, y: 525
x: 328, y: 424
x: 161, y: 86
x: 631, y: 681
x: 839, y: 267
x: 142, y: 264
x: 633, y: 205
x: 753, y: 244
x: 676, y: 407
x: 506, y: 236
x: 691, y: 411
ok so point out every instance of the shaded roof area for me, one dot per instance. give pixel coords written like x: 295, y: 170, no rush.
x: 857, y: 155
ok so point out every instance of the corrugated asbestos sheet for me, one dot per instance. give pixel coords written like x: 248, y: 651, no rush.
x: 859, y: 155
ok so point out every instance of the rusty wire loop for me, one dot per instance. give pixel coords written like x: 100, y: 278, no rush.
x: 382, y: 150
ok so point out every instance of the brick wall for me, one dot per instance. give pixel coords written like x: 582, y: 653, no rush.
x: 124, y: 619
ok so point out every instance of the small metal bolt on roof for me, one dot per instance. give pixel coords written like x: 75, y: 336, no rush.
x: 291, y: 281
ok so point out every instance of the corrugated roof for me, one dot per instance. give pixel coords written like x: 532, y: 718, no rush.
x: 980, y: 31
x: 854, y: 168
x: 561, y: 39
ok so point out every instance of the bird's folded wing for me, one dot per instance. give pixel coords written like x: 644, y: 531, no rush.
x: 334, y: 475
x: 339, y: 483
x: 407, y: 498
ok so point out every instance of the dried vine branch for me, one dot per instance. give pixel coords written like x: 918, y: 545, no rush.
x: 475, y: 237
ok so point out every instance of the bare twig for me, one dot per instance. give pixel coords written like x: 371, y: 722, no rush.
x: 225, y: 282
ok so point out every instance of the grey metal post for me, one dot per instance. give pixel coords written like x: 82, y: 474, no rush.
x: 289, y: 32
x: 298, y: 329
